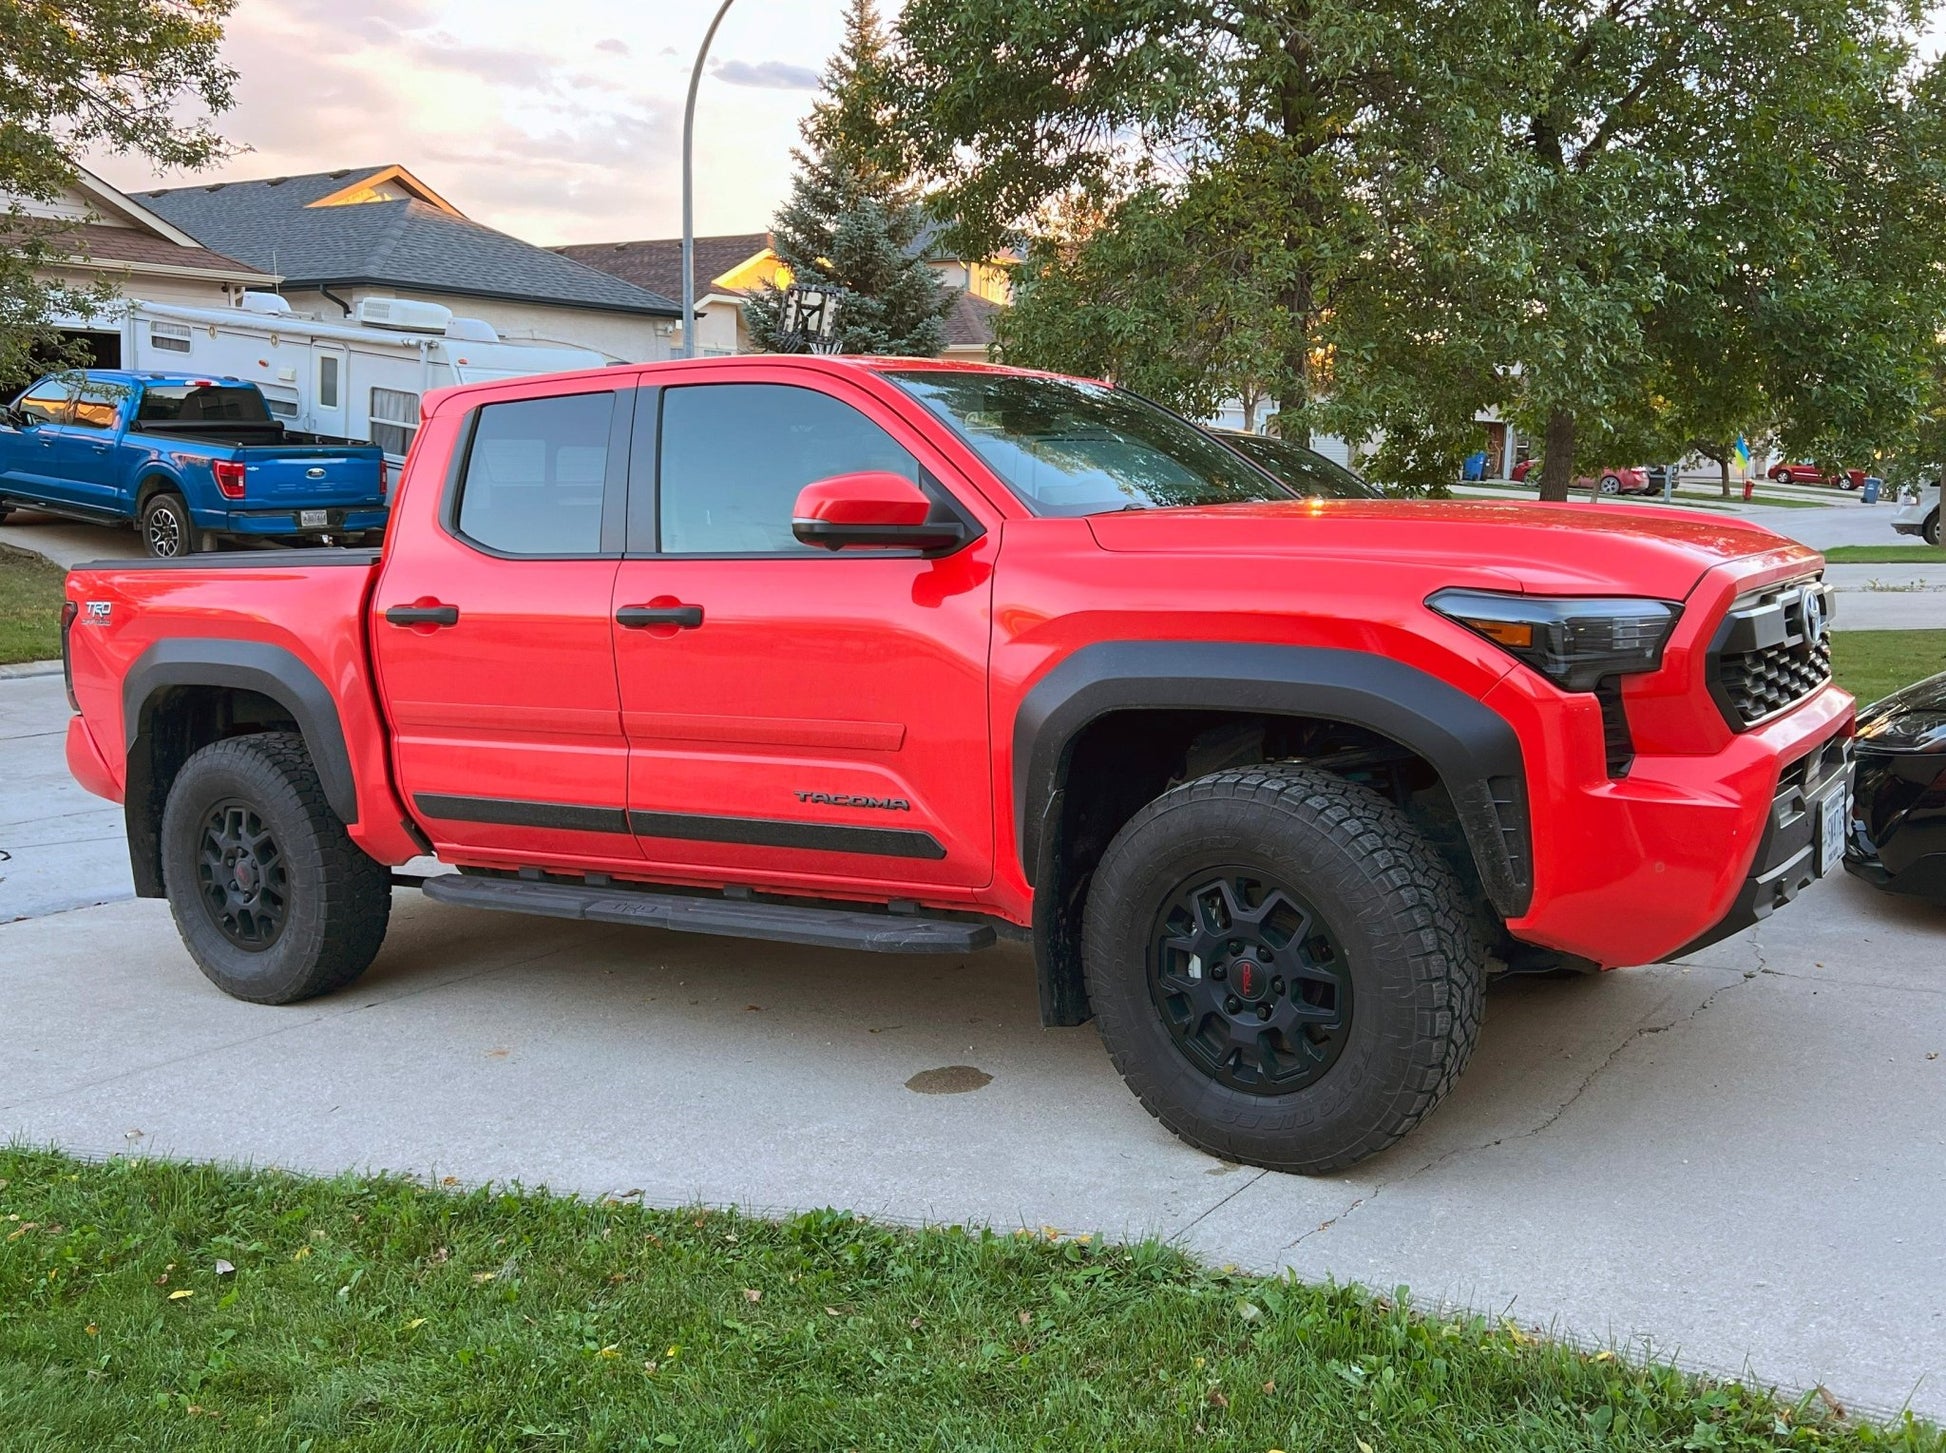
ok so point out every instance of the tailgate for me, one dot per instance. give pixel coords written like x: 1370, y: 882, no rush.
x: 301, y: 476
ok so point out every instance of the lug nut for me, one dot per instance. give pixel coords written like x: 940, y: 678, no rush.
x: 1263, y: 1011
x: 1276, y: 986
x: 1232, y: 1004
x: 1265, y: 955
x: 1219, y: 972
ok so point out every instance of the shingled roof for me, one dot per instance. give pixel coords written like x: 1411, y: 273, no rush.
x: 656, y: 264
x: 969, y: 323
x: 310, y: 231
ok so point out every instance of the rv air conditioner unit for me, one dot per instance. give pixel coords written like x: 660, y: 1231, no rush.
x: 405, y: 314
x: 472, y: 330
x: 272, y: 305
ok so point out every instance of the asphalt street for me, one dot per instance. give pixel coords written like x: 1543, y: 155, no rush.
x: 1735, y: 1161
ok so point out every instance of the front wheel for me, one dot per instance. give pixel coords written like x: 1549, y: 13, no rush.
x: 166, y: 529
x: 272, y: 898
x: 1283, y: 969
x: 1611, y: 484
x: 1932, y: 529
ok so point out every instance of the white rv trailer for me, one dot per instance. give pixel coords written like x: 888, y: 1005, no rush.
x: 356, y: 379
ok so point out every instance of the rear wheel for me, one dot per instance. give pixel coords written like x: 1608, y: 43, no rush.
x: 1283, y: 969
x: 1932, y: 528
x: 166, y: 529
x: 273, y: 899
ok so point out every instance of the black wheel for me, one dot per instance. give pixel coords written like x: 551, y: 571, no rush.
x: 1932, y: 528
x: 1283, y: 969
x: 166, y: 529
x: 274, y: 902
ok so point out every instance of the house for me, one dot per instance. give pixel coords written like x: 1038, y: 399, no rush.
x: 104, y: 233
x: 730, y: 269
x: 333, y: 239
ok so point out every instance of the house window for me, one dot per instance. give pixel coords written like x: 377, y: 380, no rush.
x: 169, y: 337
x: 395, y: 419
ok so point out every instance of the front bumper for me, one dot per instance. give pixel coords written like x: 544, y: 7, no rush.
x: 1684, y: 849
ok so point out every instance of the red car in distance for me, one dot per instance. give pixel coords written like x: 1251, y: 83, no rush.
x: 1621, y: 480
x: 1812, y: 474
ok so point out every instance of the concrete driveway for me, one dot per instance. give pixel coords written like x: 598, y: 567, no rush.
x: 1734, y: 1161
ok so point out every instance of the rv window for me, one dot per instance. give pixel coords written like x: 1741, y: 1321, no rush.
x: 170, y: 337
x: 188, y: 403
x: 395, y: 419
x: 282, y: 406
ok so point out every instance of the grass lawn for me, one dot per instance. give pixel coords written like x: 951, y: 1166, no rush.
x: 30, y: 607
x: 381, y: 1314
x: 1871, y: 664
x: 1885, y: 555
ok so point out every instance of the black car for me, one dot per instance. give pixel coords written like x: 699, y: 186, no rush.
x: 1304, y: 470
x: 1898, y: 830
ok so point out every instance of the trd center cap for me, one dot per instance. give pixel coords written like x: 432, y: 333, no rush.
x: 1249, y: 979
x: 244, y: 874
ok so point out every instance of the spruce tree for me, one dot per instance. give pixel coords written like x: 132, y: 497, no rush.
x: 853, y: 217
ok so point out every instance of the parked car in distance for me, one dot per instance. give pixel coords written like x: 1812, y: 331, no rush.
x: 189, y: 460
x: 1919, y: 514
x: 1786, y: 473
x: 1306, y: 471
x: 1617, y: 479
x: 1898, y: 837
x: 904, y: 656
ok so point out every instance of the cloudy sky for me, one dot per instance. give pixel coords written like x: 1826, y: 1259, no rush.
x: 556, y: 120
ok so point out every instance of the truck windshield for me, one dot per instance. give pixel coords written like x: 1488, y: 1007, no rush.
x: 1073, y: 448
x: 202, y: 403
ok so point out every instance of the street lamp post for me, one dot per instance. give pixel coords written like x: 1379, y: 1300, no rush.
x: 689, y: 188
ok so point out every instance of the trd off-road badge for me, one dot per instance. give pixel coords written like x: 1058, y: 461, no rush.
x: 843, y: 799
x: 97, y: 612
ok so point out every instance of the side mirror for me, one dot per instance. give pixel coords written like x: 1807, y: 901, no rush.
x: 873, y: 508
x: 15, y: 418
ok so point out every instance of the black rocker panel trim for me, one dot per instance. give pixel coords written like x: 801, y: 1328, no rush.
x: 1473, y: 748
x: 883, y: 842
x: 255, y: 666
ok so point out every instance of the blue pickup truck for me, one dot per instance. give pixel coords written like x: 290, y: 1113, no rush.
x: 191, y: 461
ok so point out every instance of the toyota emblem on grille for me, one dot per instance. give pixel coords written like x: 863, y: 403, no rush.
x: 1814, y: 616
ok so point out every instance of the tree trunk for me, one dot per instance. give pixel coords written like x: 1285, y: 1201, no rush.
x: 1294, y: 385
x: 1723, y: 468
x: 1557, y: 457
x: 1249, y: 401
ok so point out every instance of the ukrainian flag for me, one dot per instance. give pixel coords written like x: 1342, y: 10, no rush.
x: 1742, y: 453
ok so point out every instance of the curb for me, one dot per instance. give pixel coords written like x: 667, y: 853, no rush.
x: 29, y: 668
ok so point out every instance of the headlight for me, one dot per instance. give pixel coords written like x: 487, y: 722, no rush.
x: 1572, y: 642
x: 1906, y: 731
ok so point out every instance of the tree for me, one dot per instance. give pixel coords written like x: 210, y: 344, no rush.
x: 110, y: 75
x: 853, y: 220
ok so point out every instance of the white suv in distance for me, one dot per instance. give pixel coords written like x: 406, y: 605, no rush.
x: 1919, y: 514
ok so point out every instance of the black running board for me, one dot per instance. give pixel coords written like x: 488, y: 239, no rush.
x: 880, y: 933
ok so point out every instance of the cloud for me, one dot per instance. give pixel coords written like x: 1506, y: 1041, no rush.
x: 613, y: 46
x: 767, y: 75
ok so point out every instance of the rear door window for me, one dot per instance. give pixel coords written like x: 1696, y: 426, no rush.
x: 99, y: 405
x: 536, y: 476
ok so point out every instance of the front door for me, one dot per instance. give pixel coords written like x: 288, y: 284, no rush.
x: 27, y: 465
x: 84, y: 447
x: 491, y: 631
x: 330, y: 387
x: 795, y: 715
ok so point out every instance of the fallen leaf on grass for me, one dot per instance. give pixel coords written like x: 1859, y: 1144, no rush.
x: 300, y: 1253
x: 751, y: 1294
x: 1363, y: 1446
x: 1269, y: 1388
x: 1217, y: 1399
x: 480, y: 1278
x: 223, y: 1268
x: 178, y: 1296
x: 415, y: 1324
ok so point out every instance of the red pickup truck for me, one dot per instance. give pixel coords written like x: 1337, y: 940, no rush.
x: 905, y: 656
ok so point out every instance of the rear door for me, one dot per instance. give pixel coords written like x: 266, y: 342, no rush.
x: 491, y: 631
x: 824, y: 718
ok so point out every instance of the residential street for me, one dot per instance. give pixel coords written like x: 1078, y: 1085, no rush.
x: 1740, y: 1157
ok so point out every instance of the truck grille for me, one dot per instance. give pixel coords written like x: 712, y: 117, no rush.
x: 1773, y: 650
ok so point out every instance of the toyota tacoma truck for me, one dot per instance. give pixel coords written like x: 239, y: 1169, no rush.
x: 189, y: 461
x: 906, y: 657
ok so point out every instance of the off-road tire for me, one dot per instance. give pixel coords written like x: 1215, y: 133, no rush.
x: 165, y: 519
x: 1417, y: 965
x: 337, y: 900
x: 1930, y: 533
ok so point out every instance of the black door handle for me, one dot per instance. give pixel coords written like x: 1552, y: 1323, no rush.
x: 423, y: 615
x: 635, y: 617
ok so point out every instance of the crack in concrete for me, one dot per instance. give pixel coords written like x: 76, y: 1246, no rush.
x: 1217, y: 1206
x: 1371, y: 1195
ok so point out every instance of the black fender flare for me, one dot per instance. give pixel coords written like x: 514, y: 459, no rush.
x: 1473, y: 748
x: 255, y: 666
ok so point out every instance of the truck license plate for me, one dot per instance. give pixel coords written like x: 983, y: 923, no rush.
x: 1834, y: 826
x: 313, y: 519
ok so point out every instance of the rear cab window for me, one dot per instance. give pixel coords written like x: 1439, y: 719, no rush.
x: 535, y: 480
x: 202, y: 403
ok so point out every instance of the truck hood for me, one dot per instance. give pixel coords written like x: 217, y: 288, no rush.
x: 1573, y: 549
